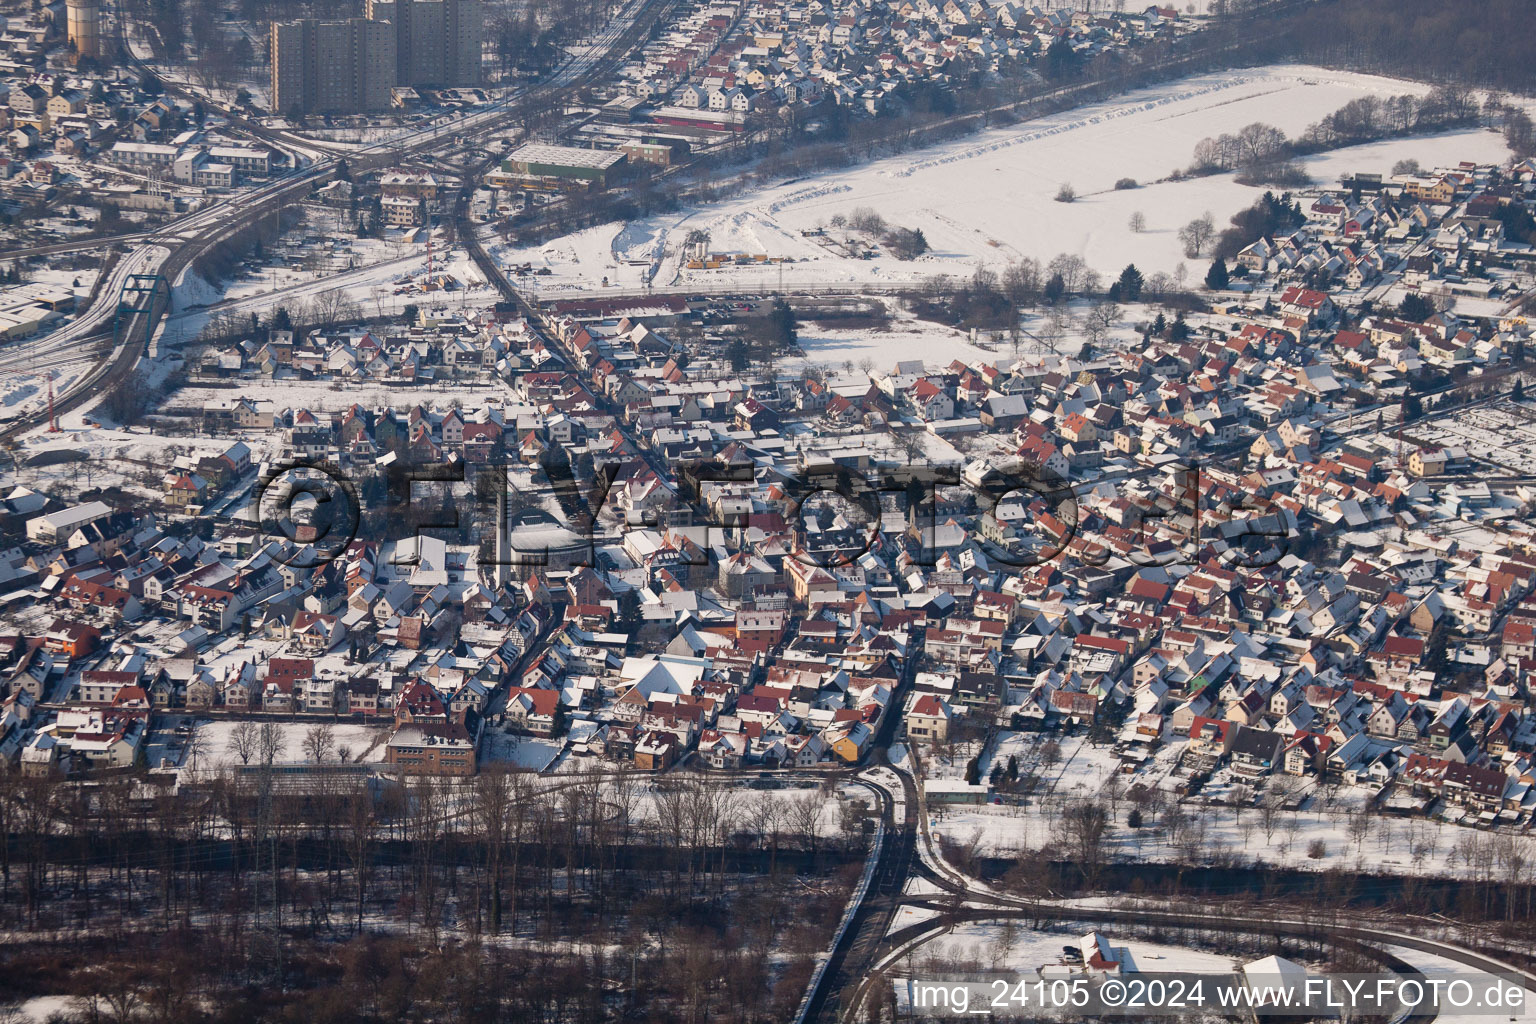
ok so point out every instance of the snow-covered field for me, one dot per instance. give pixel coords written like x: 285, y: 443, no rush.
x: 989, y: 198
x: 363, y: 743
x: 995, y: 945
x: 906, y: 339
x: 521, y: 753
x: 382, y: 276
x: 134, y: 460
x: 1082, y: 770
x: 332, y: 396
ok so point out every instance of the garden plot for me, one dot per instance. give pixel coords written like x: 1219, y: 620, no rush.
x: 1501, y: 434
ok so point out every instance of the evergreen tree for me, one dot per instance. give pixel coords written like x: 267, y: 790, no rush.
x: 1061, y: 60
x: 973, y: 773
x: 1055, y: 289
x: 1415, y: 308
x: 629, y: 611
x: 1180, y: 330
x: 776, y: 331
x: 1216, y: 278
x: 739, y: 353
x: 1130, y: 284
x: 907, y: 243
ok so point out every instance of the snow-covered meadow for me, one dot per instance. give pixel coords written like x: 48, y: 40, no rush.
x: 1318, y: 837
x: 1005, y: 946
x: 989, y: 198
x: 364, y: 743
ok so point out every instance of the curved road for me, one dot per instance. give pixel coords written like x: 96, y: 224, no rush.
x: 855, y: 966
x: 195, y: 233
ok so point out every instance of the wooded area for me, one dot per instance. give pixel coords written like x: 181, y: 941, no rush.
x: 256, y: 899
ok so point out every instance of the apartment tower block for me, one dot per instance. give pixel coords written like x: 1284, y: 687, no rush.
x: 437, y: 42
x: 332, y: 67
x: 349, y: 67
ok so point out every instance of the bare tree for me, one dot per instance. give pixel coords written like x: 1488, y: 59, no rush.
x: 1050, y: 753
x: 244, y: 741
x: 1196, y: 235
x: 911, y: 445
x: 1083, y: 826
x: 334, y: 306
x: 1360, y: 825
x: 1270, y: 815
x: 805, y: 817
x: 1097, y: 322
x: 1138, y: 222
x: 1192, y: 839
x: 1241, y: 797
x: 1259, y: 142
x: 197, y: 748
x: 1172, y: 820
x: 1112, y: 791
x: 319, y: 742
x: 270, y: 742
x: 1021, y: 282
x: 1072, y: 269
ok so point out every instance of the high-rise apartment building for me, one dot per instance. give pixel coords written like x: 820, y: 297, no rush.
x: 437, y: 42
x: 332, y: 67
x: 346, y: 67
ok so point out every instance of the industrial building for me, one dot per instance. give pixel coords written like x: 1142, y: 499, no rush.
x: 647, y: 153
x: 543, y: 166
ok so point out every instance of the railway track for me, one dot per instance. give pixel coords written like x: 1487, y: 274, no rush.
x: 218, y: 221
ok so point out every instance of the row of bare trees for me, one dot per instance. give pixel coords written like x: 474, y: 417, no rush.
x: 1494, y: 872
x: 710, y: 970
x: 328, y: 849
x: 1259, y: 149
x: 263, y: 865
